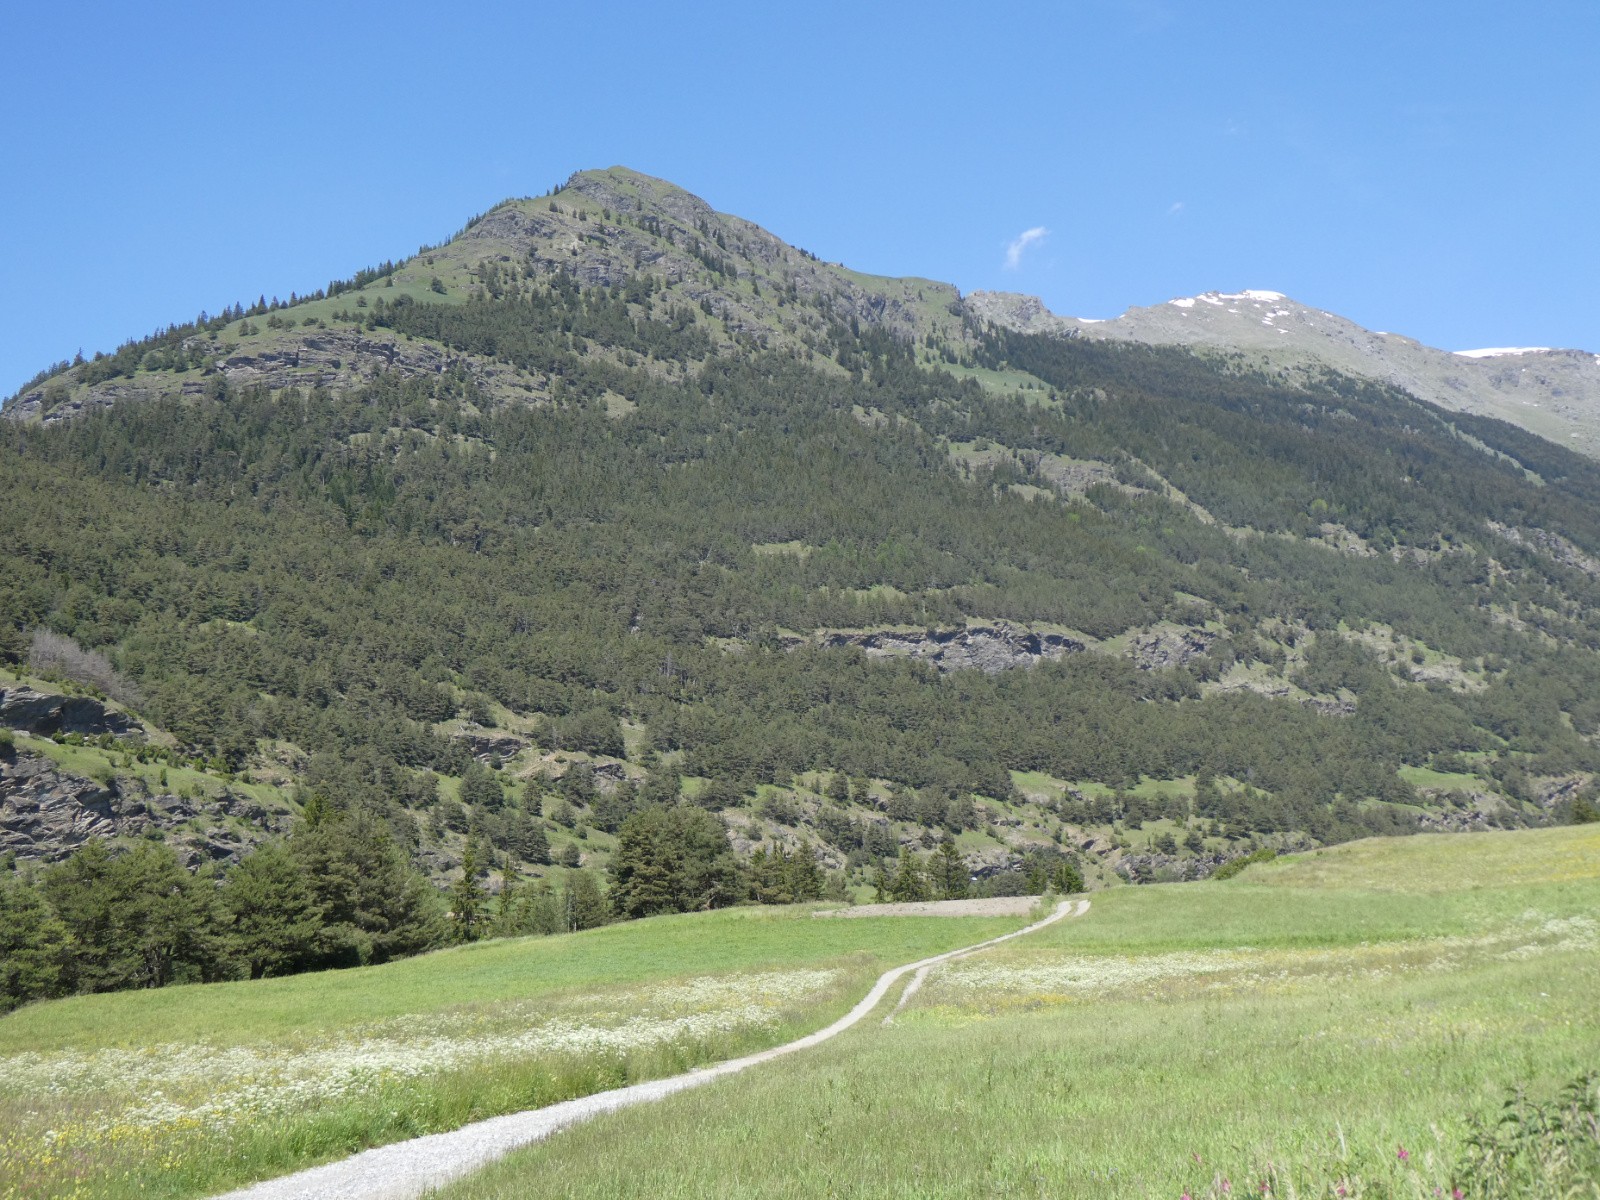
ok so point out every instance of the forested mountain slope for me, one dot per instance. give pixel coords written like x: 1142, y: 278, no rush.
x: 612, y: 500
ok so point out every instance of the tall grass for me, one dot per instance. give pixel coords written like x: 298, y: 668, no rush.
x: 1205, y: 1040
x: 186, y: 1091
x: 631, y: 952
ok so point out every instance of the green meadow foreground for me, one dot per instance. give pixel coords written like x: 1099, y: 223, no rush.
x: 1324, y: 1026
x: 186, y: 1091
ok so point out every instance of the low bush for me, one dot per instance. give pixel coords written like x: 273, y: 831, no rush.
x: 1229, y: 869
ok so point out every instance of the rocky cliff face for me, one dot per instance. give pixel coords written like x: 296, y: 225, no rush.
x: 46, y: 813
x: 605, y: 227
x: 42, y: 713
x: 988, y: 648
x: 1163, y: 648
x: 335, y: 358
x: 1002, y: 646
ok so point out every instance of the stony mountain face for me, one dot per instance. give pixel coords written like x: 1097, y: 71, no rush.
x: 601, y: 229
x: 47, y: 812
x: 1554, y: 393
x: 52, y: 800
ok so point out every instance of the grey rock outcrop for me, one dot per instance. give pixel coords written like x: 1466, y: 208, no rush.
x: 1163, y: 648
x: 1156, y: 867
x: 1553, y: 544
x: 988, y: 648
x: 42, y: 713
x: 336, y: 358
x: 47, y: 813
x: 486, y: 745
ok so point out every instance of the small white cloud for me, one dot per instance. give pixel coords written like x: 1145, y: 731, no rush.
x: 1028, y: 237
x: 1175, y: 208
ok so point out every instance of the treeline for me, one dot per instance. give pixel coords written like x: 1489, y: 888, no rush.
x: 339, y: 892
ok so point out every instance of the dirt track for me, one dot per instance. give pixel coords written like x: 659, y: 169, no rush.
x: 405, y: 1170
x: 995, y: 906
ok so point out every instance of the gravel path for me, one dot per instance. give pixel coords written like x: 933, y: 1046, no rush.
x: 405, y: 1170
x: 993, y: 906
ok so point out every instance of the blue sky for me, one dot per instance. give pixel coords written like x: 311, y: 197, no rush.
x: 1425, y: 168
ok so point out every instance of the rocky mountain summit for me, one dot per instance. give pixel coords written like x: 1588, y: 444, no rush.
x: 602, y: 229
x: 1554, y: 393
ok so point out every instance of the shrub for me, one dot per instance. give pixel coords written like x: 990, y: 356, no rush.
x: 1229, y: 869
x: 1535, y: 1149
x: 52, y: 654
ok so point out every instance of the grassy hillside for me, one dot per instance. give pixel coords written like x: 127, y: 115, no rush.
x: 1324, y: 1026
x: 186, y: 1090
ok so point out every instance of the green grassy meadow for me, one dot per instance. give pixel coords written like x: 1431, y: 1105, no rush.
x: 185, y: 1091
x: 1322, y: 1026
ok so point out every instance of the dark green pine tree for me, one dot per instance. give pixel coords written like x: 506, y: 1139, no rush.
x: 273, y: 923
x: 375, y: 905
x: 34, y: 946
x: 951, y: 879
x: 466, y: 896
x: 673, y: 860
x: 585, y: 904
x: 530, y: 841
x: 805, y: 879
x: 909, y: 883
x: 480, y: 787
x: 509, y: 909
x: 137, y: 920
x: 1036, y: 877
x: 880, y: 885
x: 1067, y: 880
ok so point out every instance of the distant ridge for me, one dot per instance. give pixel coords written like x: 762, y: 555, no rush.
x: 1552, y: 392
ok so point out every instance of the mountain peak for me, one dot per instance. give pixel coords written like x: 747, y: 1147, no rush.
x: 624, y: 190
x: 608, y: 227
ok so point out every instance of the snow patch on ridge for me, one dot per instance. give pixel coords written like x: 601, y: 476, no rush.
x: 1502, y: 351
x: 1221, y: 299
